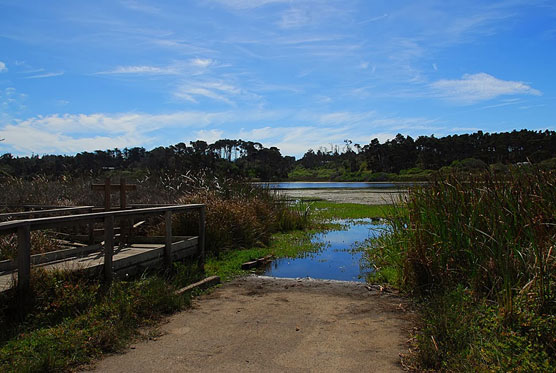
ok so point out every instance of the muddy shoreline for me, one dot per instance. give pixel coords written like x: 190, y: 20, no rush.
x: 362, y: 196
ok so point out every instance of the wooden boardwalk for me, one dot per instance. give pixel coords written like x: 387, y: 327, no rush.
x: 129, y: 260
x: 108, y: 259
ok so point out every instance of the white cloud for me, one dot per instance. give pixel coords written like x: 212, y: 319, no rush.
x: 296, y: 140
x: 72, y: 133
x: 202, y: 62
x: 3, y: 67
x: 473, y: 88
x: 381, y: 136
x: 210, y: 136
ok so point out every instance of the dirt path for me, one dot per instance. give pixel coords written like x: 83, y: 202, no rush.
x: 258, y: 324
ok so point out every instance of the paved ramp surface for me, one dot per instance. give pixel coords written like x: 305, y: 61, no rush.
x: 258, y: 324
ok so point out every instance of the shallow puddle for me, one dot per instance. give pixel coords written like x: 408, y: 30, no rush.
x: 338, y: 259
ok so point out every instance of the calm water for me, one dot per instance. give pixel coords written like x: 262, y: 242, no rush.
x: 337, y: 260
x: 335, y: 185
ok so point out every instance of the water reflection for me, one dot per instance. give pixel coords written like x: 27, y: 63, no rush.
x: 337, y: 259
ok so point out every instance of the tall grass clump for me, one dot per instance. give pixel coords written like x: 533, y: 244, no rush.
x: 240, y: 215
x: 492, y: 234
x: 479, y: 248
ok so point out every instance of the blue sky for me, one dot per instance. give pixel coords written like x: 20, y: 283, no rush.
x: 82, y: 75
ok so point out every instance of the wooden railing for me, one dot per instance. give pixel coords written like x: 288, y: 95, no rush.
x: 46, y: 212
x: 24, y: 227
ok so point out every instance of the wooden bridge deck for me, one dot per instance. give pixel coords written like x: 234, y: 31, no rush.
x: 128, y: 260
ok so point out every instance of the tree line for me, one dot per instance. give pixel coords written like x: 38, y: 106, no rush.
x: 432, y: 153
x: 254, y: 161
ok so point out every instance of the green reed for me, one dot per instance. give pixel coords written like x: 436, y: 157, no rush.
x: 491, y: 233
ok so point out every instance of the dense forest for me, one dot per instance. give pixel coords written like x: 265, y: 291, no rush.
x: 400, y: 157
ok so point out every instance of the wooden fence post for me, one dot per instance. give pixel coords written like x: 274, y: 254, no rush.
x: 107, y: 190
x: 168, y: 238
x: 202, y: 215
x: 108, y: 246
x: 91, y: 229
x: 23, y: 257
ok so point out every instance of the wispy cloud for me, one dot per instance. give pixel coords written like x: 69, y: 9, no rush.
x: 186, y: 68
x: 3, y: 67
x: 472, y: 88
x: 374, y: 19
x: 295, y: 17
x: 214, y: 90
x: 11, y: 103
x: 140, y: 69
x: 45, y: 75
x: 140, y: 6
x: 248, y: 4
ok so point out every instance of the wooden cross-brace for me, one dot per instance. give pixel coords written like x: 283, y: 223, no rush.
x: 109, y: 188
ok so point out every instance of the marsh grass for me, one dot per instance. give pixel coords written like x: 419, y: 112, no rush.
x: 479, y: 249
x: 331, y: 210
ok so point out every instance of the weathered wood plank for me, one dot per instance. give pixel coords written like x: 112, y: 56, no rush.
x: 203, y: 284
x: 52, y: 221
x: 8, y: 265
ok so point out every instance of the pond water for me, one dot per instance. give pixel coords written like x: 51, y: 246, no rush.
x: 334, y: 185
x: 337, y: 260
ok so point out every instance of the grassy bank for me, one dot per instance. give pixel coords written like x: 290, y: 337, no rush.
x: 478, y: 251
x: 67, y: 319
